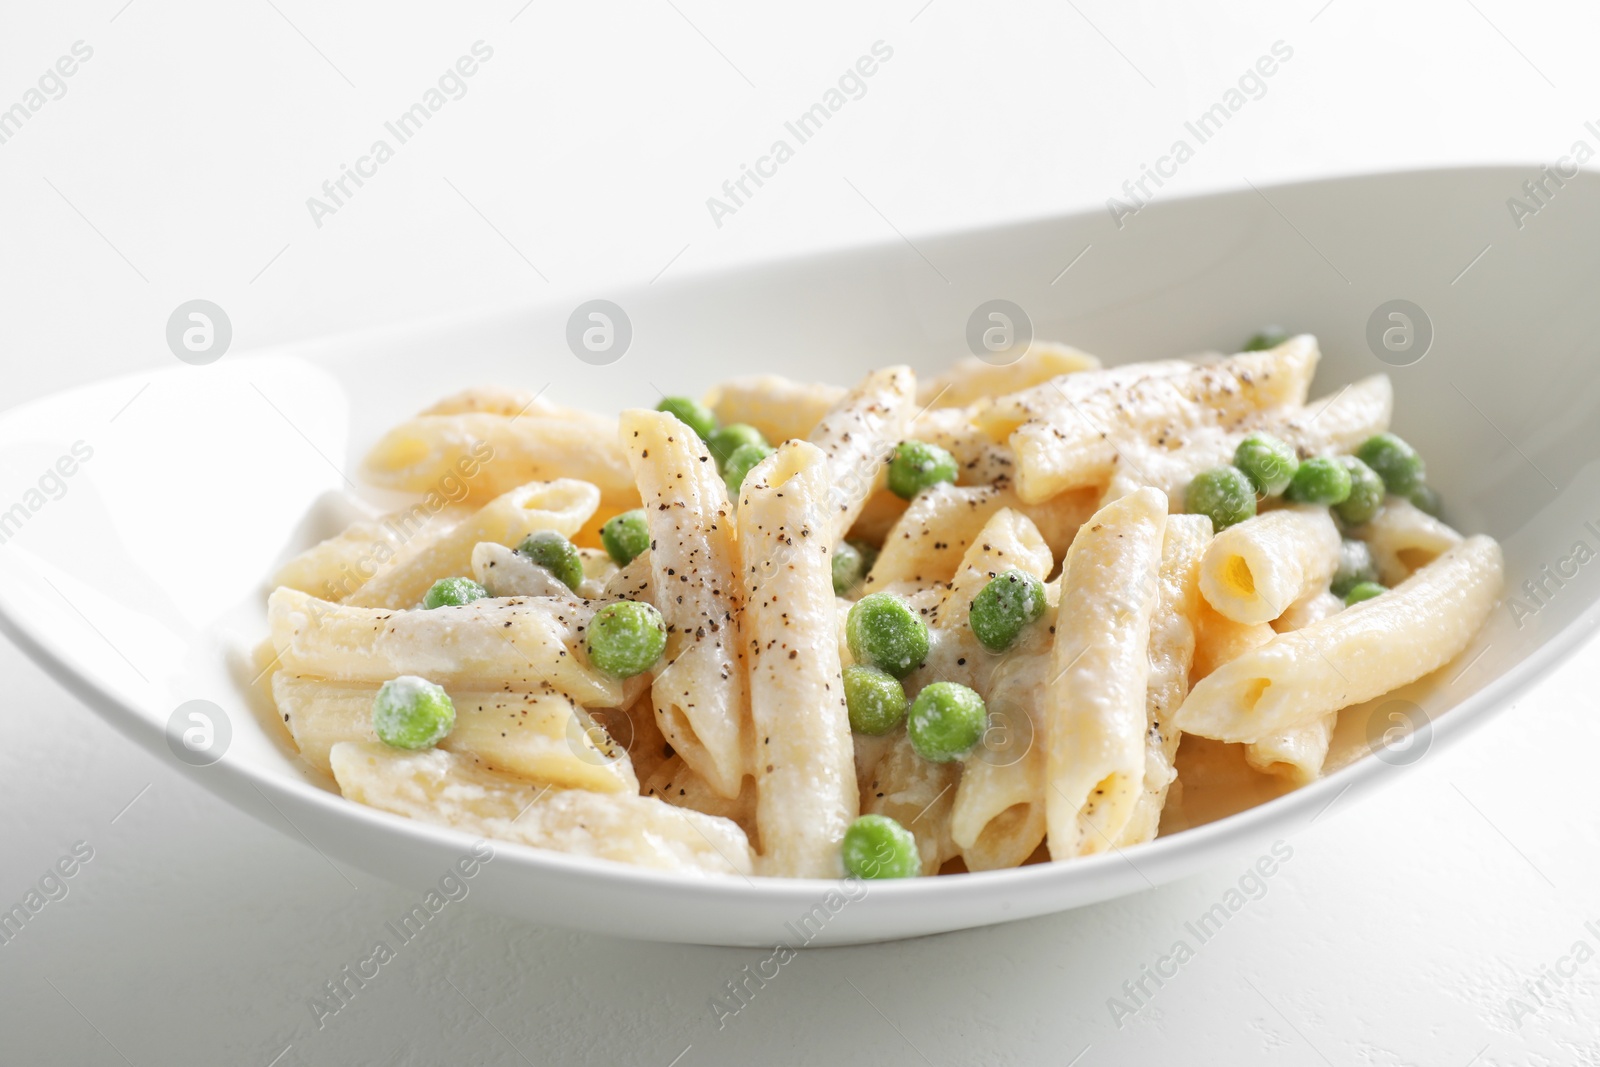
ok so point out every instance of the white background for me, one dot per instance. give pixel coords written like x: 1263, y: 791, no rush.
x: 177, y: 165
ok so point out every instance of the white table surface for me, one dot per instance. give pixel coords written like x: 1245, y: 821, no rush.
x: 177, y: 165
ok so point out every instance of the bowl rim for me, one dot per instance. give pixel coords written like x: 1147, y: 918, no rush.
x: 1221, y: 837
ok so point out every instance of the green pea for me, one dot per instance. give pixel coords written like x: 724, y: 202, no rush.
x: 1362, y: 591
x: 727, y: 439
x: 626, y: 638
x: 1320, y: 480
x: 691, y: 413
x: 555, y: 554
x: 1366, y: 493
x: 1427, y: 499
x: 1225, y: 494
x: 1356, y: 566
x: 1271, y: 337
x: 411, y: 712
x: 1396, y: 462
x: 453, y: 592
x: 875, y: 846
x: 1004, y: 607
x: 1268, y: 462
x: 849, y: 568
x: 883, y: 631
x: 625, y: 536
x: 917, y: 465
x: 945, y: 721
x: 743, y: 460
x: 875, y: 699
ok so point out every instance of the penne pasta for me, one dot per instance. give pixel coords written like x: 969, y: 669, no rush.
x: 335, y: 568
x: 1297, y: 753
x: 971, y: 380
x: 521, y: 643
x: 858, y: 436
x: 1404, y: 539
x: 561, y: 506
x: 1095, y: 712
x: 701, y: 698
x: 1254, y: 570
x: 503, y: 452
x: 1218, y: 639
x: 505, y: 572
x: 780, y: 408
x: 452, y: 790
x: 675, y: 783
x: 1075, y: 443
x: 682, y: 705
x: 1173, y: 637
x: 804, y: 764
x: 918, y: 795
x: 1353, y: 656
x: 542, y: 736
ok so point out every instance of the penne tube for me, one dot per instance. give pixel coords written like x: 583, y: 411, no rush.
x: 782, y: 409
x: 971, y: 380
x: 1296, y: 754
x: 804, y: 761
x: 1096, y: 717
x: 674, y: 782
x: 505, y: 572
x: 929, y: 541
x: 981, y: 461
x: 561, y: 506
x: 1173, y: 638
x: 1336, y: 423
x: 1219, y: 639
x: 1001, y: 416
x: 451, y: 790
x: 1075, y: 443
x: 858, y: 436
x: 1404, y: 539
x: 1255, y: 569
x: 1360, y: 653
x: 701, y: 698
x: 1312, y: 607
x: 918, y: 795
x: 504, y: 452
x: 335, y: 568
x: 489, y: 644
x: 998, y: 817
x: 647, y: 749
x: 1332, y: 424
x: 542, y: 736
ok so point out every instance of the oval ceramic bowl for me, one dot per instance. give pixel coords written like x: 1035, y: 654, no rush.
x: 133, y: 568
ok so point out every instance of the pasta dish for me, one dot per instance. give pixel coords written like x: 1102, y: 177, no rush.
x: 897, y: 629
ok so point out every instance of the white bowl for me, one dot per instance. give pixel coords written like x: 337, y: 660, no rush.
x: 142, y: 584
